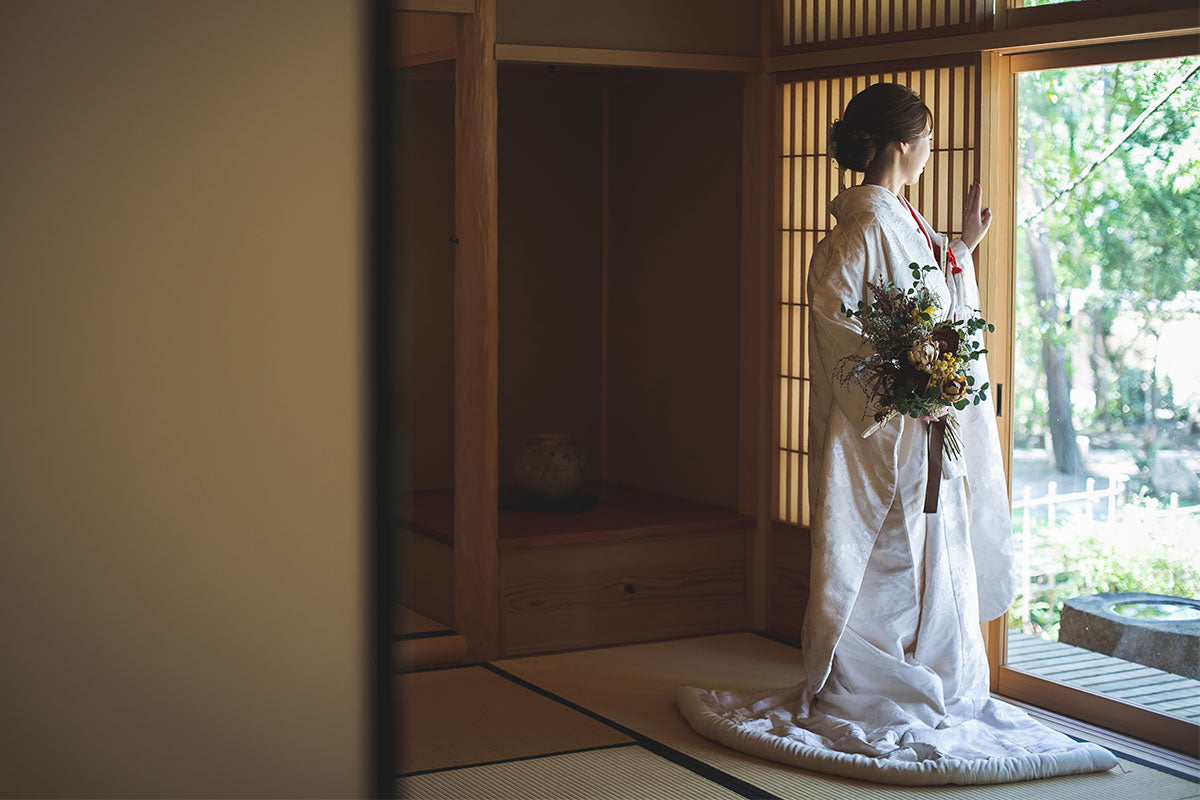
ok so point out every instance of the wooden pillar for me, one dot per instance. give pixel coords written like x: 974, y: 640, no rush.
x: 755, y: 322
x: 476, y: 334
x: 996, y: 168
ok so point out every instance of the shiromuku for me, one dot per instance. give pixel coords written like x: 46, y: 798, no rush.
x: 894, y: 683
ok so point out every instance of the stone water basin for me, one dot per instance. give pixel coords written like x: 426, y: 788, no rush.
x: 1152, y: 629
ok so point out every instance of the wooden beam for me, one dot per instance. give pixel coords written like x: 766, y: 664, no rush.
x: 402, y: 61
x: 1131, y: 27
x: 476, y: 336
x: 1172, y: 47
x: 435, y: 6
x: 644, y: 59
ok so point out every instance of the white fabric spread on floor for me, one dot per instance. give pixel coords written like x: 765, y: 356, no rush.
x: 907, y: 698
x: 896, y: 687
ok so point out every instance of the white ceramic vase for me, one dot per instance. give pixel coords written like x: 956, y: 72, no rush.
x: 550, y: 464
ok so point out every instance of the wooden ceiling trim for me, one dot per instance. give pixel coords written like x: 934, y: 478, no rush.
x: 435, y: 6
x: 643, y: 59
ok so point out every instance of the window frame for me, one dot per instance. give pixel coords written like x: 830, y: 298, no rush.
x: 1163, y: 729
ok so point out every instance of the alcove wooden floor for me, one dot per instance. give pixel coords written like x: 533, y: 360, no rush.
x: 621, y: 512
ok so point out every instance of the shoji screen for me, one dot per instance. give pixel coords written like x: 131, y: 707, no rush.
x: 812, y: 22
x: 808, y: 179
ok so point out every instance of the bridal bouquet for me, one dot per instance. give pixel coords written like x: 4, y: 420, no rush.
x: 916, y: 367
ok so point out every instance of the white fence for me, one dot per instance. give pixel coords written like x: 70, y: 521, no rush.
x: 1087, y: 503
x: 1091, y: 497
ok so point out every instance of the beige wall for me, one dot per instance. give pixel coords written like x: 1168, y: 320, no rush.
x: 181, y: 481
x: 729, y: 27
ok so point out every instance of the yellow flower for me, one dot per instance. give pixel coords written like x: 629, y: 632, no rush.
x: 945, y: 368
x: 923, y: 314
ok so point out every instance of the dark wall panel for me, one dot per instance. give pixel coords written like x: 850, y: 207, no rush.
x: 675, y: 208
x: 550, y: 268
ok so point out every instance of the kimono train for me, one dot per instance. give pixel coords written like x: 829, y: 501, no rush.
x: 894, y: 687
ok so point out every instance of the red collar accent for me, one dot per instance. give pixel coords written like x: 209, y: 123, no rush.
x: 937, y: 255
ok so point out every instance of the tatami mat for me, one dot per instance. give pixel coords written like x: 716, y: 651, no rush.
x: 405, y: 621
x: 621, y: 773
x: 470, y: 715
x: 634, y: 686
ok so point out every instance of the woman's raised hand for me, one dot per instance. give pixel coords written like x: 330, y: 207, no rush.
x: 975, y: 222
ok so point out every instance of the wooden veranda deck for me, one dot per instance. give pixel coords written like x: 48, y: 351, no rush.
x: 1151, y: 688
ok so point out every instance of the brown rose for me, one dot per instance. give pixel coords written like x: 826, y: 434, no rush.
x: 909, y: 377
x: 954, y: 388
x: 946, y: 339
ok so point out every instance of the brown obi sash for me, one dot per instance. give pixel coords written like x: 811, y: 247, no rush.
x: 937, y: 441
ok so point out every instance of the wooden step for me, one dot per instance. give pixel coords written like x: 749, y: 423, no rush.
x: 429, y: 651
x: 629, y: 565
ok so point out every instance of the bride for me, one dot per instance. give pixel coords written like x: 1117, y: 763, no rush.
x: 895, y: 683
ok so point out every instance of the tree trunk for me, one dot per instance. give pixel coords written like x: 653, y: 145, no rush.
x: 1100, y: 360
x: 1067, y: 457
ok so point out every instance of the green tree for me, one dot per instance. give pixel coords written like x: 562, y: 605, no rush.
x: 1109, y: 162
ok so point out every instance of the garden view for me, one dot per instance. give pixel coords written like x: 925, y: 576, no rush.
x: 1106, y: 496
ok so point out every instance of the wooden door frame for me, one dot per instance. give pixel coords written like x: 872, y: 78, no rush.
x: 476, y: 333
x: 999, y: 113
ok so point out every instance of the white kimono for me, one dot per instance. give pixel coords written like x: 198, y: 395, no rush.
x: 896, y: 675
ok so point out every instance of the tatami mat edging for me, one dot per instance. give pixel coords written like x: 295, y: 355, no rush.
x: 439, y: 668
x: 419, y: 772
x: 695, y: 765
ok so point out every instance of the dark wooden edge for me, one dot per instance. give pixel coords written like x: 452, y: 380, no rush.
x: 427, y: 532
x: 382, y: 377
x: 779, y: 526
x: 872, y: 67
x: 407, y: 637
x: 739, y: 524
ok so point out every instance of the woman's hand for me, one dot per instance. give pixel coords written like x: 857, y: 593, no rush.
x: 975, y: 222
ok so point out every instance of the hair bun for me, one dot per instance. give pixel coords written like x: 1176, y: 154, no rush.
x: 852, y: 147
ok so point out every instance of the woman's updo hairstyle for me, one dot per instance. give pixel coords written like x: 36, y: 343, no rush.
x: 881, y: 113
